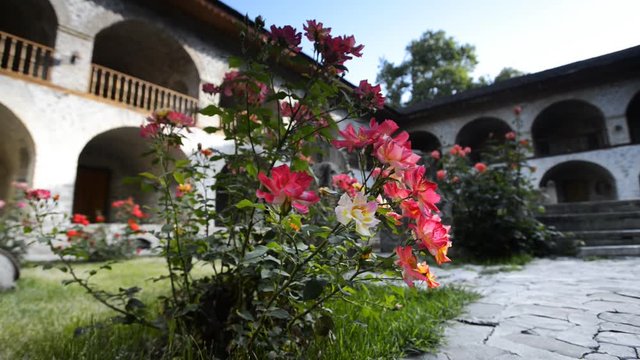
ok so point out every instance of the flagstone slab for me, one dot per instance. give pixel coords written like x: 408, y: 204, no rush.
x: 618, y: 338
x: 621, y: 318
x: 549, y: 344
x: 620, y: 328
x: 600, y: 356
x: 624, y: 352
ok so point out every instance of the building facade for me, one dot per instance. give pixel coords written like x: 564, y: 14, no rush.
x: 583, y: 120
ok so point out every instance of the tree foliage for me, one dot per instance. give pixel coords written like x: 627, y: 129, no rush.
x: 437, y: 65
x: 507, y: 73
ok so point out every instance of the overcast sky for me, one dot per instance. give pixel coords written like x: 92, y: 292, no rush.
x: 528, y: 35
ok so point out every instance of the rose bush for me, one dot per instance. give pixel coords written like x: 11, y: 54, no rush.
x: 493, y: 205
x: 13, y: 237
x: 278, y: 246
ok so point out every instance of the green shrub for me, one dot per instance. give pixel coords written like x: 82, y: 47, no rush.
x: 493, y: 205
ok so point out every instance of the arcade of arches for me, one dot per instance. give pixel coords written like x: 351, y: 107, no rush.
x: 576, y: 181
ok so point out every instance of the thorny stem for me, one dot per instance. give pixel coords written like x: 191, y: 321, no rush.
x: 288, y: 282
x: 321, y: 300
x: 171, y: 205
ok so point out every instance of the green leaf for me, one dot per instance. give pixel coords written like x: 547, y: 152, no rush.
x: 182, y: 163
x: 313, y: 289
x: 133, y: 304
x: 210, y: 110
x: 148, y: 175
x: 251, y: 169
x: 324, y: 325
x: 254, y: 255
x: 299, y: 165
x: 265, y: 273
x: 245, y: 203
x: 244, y: 314
x: 279, y: 314
x: 235, y: 61
x: 179, y: 177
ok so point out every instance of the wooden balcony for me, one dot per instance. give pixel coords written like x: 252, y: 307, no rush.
x: 25, y: 57
x: 126, y: 89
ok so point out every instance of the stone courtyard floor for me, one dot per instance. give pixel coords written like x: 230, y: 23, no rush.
x: 551, y: 309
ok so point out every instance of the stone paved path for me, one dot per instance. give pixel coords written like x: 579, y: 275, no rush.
x: 552, y: 309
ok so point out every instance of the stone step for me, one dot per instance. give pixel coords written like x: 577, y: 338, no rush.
x: 606, y: 237
x: 593, y: 207
x: 623, y: 220
x: 614, y: 250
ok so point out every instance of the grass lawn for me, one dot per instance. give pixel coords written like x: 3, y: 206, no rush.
x: 38, y: 320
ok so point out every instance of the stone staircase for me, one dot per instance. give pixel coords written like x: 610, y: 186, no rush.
x: 607, y: 228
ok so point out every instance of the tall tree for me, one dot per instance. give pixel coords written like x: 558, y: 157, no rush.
x: 507, y: 73
x: 436, y: 66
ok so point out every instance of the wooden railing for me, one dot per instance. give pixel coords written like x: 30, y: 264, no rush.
x: 126, y: 89
x: 25, y: 57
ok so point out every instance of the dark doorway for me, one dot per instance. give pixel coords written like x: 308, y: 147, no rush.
x: 91, y: 194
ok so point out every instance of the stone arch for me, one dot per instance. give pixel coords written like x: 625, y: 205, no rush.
x: 103, y: 165
x: 34, y: 20
x: 143, y: 50
x: 633, y: 119
x: 569, y: 126
x: 17, y: 152
x: 576, y: 180
x: 424, y: 141
x: 479, y: 133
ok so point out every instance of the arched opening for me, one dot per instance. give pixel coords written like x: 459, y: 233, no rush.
x: 575, y: 181
x: 569, y: 126
x: 27, y: 36
x: 424, y: 142
x: 480, y: 133
x: 142, y: 65
x: 34, y: 20
x: 17, y: 151
x: 104, y: 165
x: 633, y: 119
